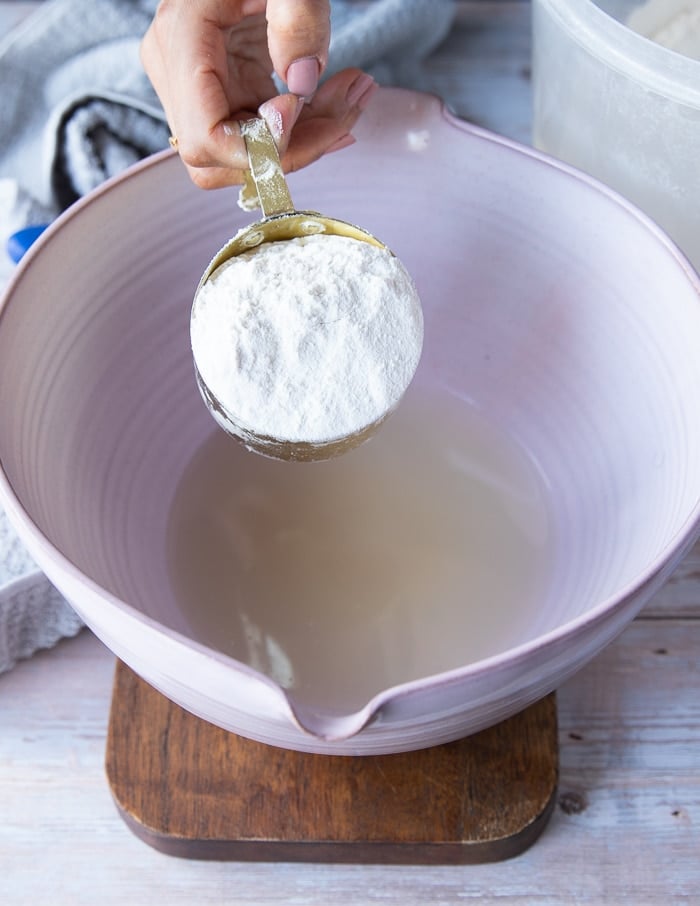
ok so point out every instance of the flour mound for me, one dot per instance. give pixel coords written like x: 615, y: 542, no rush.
x: 308, y: 340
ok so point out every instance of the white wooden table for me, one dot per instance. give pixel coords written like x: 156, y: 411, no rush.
x: 627, y: 824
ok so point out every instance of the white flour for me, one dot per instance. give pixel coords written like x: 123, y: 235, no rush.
x: 308, y: 340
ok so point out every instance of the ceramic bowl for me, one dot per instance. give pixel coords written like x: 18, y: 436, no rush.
x: 557, y: 317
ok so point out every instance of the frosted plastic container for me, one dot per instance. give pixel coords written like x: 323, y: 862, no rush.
x: 621, y: 107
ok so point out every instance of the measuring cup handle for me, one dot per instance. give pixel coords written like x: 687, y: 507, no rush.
x: 266, y: 168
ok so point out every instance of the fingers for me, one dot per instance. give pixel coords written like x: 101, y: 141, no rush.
x: 280, y: 114
x: 209, y: 63
x: 298, y: 34
x: 325, y: 124
x: 186, y: 56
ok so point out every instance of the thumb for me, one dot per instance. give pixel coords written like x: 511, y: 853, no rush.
x: 298, y: 35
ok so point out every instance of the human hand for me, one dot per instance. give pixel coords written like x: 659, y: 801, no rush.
x: 211, y: 65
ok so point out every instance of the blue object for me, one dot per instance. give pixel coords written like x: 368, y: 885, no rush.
x: 19, y: 242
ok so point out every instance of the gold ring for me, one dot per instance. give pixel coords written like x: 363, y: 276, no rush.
x: 172, y: 141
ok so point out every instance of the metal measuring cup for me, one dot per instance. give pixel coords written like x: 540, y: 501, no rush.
x: 281, y: 221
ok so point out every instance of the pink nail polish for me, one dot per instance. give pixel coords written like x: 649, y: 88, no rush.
x: 297, y: 110
x: 302, y: 76
x: 274, y: 121
x: 367, y: 96
x: 343, y: 142
x: 363, y: 85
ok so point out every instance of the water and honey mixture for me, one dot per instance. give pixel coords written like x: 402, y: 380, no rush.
x: 421, y: 551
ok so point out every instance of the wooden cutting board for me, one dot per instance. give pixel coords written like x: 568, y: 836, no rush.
x: 193, y: 790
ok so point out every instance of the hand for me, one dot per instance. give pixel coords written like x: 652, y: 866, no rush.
x: 211, y: 62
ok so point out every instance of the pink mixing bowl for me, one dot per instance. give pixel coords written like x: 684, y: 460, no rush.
x: 554, y: 311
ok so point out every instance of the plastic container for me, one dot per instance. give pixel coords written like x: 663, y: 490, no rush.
x: 621, y: 107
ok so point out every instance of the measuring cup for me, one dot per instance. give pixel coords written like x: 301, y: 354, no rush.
x: 280, y: 222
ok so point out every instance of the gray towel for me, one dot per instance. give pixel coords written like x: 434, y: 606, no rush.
x: 77, y: 109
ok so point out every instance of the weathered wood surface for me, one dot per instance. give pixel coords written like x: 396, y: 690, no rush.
x: 626, y: 827
x: 193, y: 790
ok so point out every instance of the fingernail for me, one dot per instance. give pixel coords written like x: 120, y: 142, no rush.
x: 273, y: 118
x: 235, y: 153
x: 299, y: 108
x: 302, y: 76
x: 343, y: 142
x: 361, y: 91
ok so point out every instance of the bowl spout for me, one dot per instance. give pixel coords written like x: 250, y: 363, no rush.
x: 328, y: 726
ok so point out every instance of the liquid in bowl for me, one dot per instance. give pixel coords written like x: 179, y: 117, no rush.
x: 421, y: 551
